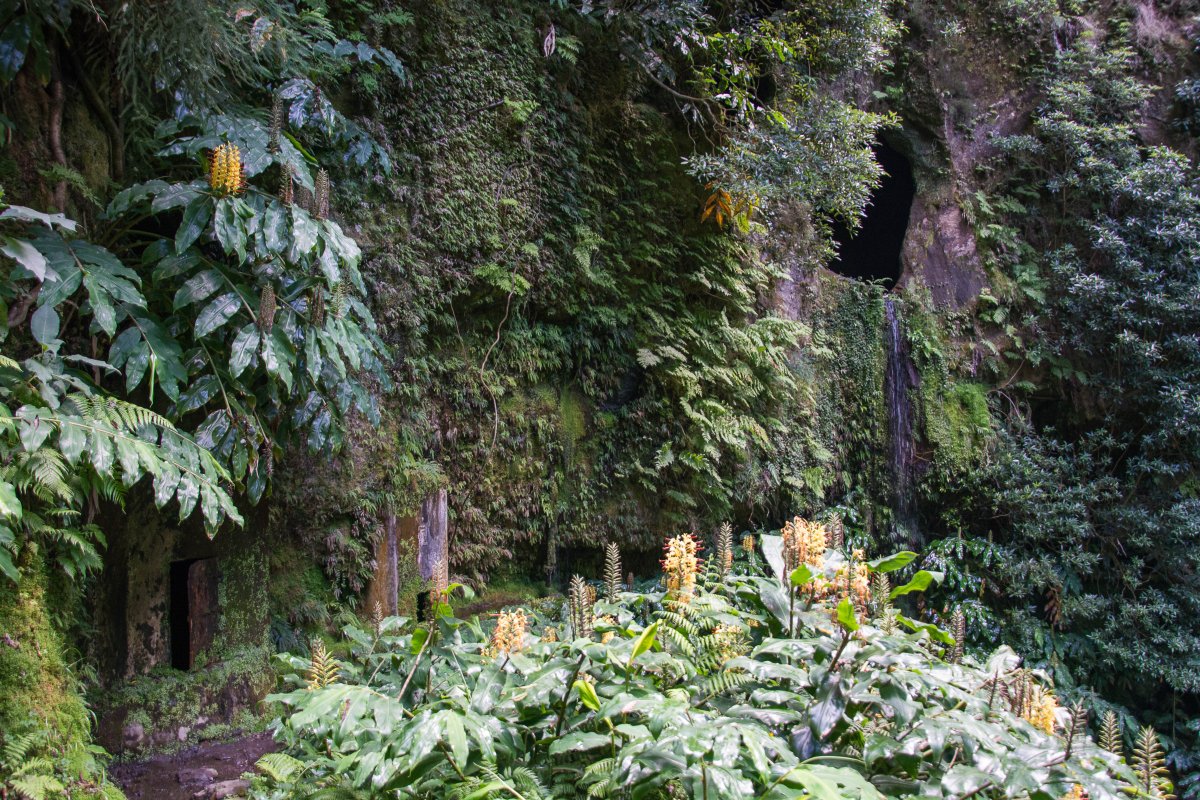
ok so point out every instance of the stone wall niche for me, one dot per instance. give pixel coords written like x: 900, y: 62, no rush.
x: 422, y: 537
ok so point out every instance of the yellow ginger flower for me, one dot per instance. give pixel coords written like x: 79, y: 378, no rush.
x: 804, y: 542
x: 731, y: 642
x: 550, y: 634
x: 681, y: 566
x: 1042, y: 706
x: 1077, y: 793
x: 606, y: 619
x: 509, y: 635
x: 225, y: 170
x: 748, y: 542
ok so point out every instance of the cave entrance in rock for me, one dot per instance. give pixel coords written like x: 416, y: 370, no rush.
x: 872, y: 253
x: 192, y: 609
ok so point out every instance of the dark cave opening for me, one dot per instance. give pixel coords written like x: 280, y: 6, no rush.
x: 180, y: 629
x: 192, y: 609
x: 872, y: 253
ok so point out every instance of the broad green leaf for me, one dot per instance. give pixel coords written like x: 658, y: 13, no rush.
x: 845, y: 615
x: 919, y: 583
x: 244, y: 352
x: 198, y: 288
x: 25, y: 214
x: 644, y: 642
x: 893, y: 562
x: 582, y: 741
x: 195, y: 219
x: 44, y: 325
x: 26, y: 255
x: 230, y: 227
x: 217, y: 313
x: 587, y: 696
x: 801, y: 575
x: 7, y: 566
x: 10, y: 504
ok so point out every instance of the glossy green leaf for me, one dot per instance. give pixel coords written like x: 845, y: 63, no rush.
x: 216, y: 314
x: 644, y: 642
x: 44, y: 325
x: 846, y: 616
x: 195, y: 219
x: 801, y: 575
x: 893, y: 562
x: 919, y: 583
x: 587, y: 695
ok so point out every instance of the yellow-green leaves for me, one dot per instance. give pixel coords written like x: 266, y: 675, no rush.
x: 845, y: 615
x: 893, y: 562
x: 587, y: 695
x: 644, y: 642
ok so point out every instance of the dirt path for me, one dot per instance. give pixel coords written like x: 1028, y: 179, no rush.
x: 205, y: 770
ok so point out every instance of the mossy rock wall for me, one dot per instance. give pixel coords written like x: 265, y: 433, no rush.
x: 36, y: 683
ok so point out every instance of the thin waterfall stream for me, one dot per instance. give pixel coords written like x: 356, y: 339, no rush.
x: 900, y: 381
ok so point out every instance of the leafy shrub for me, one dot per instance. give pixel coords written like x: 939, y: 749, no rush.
x: 703, y: 694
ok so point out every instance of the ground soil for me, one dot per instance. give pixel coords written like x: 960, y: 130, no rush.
x: 158, y: 777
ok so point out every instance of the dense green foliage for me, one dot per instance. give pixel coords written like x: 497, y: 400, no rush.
x: 564, y: 260
x: 703, y: 694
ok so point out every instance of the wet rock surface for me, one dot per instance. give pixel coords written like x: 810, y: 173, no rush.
x: 210, y: 770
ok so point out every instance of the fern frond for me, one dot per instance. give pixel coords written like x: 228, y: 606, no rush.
x: 18, y: 747
x: 724, y: 682
x: 279, y: 767
x: 678, y: 640
x: 36, y: 787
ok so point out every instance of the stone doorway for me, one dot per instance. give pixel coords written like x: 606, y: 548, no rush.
x: 193, y: 610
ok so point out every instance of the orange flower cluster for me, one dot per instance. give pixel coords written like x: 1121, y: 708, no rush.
x: 731, y: 642
x: 225, y: 170
x: 681, y: 566
x: 852, y: 580
x: 509, y: 635
x: 804, y: 542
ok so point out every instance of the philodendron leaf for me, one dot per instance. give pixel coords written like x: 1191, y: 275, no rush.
x: 801, y: 575
x: 587, y: 695
x: 644, y: 642
x: 919, y: 583
x: 893, y: 562
x: 845, y: 615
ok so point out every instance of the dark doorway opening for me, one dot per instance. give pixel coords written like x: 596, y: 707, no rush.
x: 193, y: 609
x: 873, y: 251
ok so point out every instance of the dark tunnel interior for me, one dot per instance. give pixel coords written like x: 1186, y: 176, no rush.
x: 872, y: 252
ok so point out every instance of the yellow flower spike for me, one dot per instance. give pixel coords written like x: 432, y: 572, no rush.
x: 1077, y: 793
x: 1042, y: 707
x: 225, y: 172
x: 731, y: 642
x: 509, y: 634
x: 681, y: 566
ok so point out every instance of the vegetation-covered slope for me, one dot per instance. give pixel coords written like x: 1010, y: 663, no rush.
x: 281, y: 269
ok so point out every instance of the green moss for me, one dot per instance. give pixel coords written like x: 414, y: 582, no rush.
x: 958, y: 423
x: 166, y: 699
x: 36, y: 685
